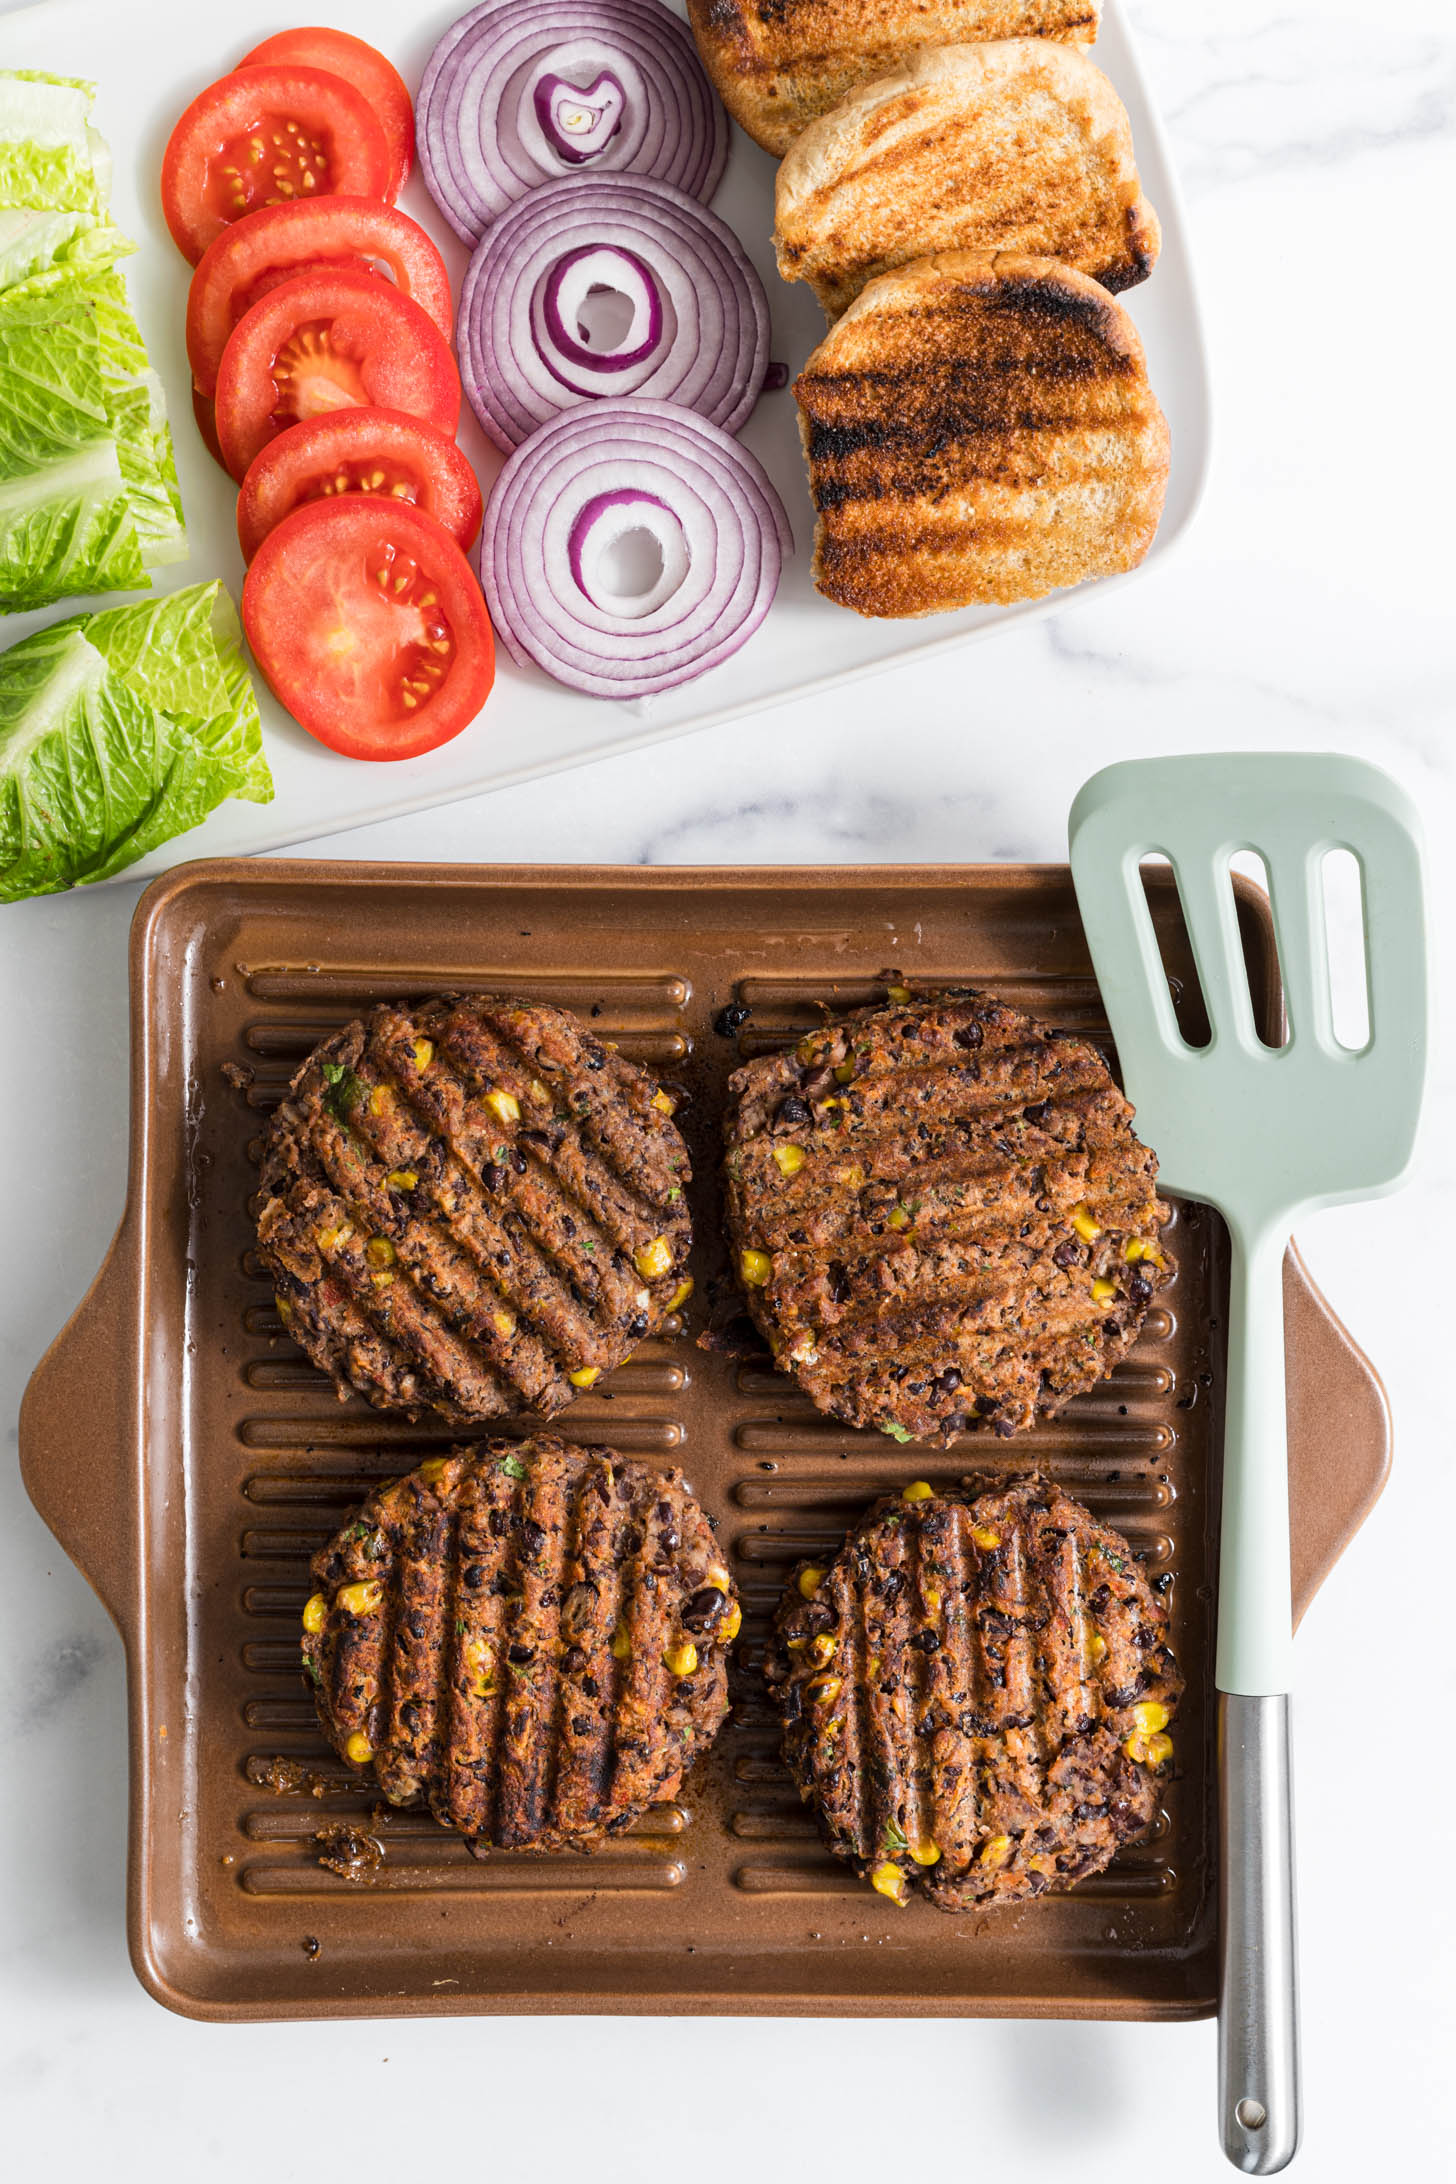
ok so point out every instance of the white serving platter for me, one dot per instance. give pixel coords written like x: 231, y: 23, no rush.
x: 150, y: 57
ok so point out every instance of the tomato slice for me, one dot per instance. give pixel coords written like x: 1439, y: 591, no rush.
x: 278, y: 242
x: 367, y: 622
x: 328, y: 341
x: 204, y: 411
x: 376, y: 451
x: 363, y: 67
x: 267, y: 136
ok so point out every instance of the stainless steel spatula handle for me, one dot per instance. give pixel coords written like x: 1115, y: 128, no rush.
x: 1258, y: 2040
x: 1258, y: 2052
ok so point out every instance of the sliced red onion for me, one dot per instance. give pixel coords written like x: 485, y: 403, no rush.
x: 579, y: 124
x: 698, y: 332
x: 520, y: 92
x: 562, y: 295
x: 602, y: 523
x: 567, y: 497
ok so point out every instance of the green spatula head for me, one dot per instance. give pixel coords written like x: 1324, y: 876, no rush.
x: 1260, y: 1132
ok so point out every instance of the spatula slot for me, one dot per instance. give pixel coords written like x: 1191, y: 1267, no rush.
x: 1175, y: 949
x: 1249, y: 866
x: 1343, y: 888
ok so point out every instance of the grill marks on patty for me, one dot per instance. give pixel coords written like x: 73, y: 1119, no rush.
x: 929, y: 1266
x: 485, y: 1679
x: 965, y: 1676
x: 508, y: 1261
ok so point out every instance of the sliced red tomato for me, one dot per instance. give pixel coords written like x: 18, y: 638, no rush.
x: 328, y: 341
x: 369, y: 626
x: 204, y: 410
x: 268, y: 136
x: 275, y: 244
x: 366, y: 69
x: 376, y: 451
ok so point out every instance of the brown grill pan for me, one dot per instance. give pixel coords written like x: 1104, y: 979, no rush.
x: 190, y: 1461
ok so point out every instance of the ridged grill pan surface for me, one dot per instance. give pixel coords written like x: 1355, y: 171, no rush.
x: 193, y: 1463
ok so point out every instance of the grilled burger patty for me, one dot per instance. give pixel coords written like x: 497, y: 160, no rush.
x: 976, y: 1694
x: 472, y: 1207
x: 528, y: 1638
x: 941, y: 1216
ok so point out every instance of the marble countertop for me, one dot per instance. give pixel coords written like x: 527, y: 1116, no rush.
x: 1310, y: 607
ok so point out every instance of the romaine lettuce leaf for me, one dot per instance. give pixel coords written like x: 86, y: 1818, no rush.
x: 119, y: 730
x: 66, y: 517
x: 138, y: 413
x: 49, y: 247
x: 184, y: 654
x: 47, y: 145
x: 89, y: 499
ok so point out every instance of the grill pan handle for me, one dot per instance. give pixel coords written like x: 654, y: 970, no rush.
x: 80, y: 1433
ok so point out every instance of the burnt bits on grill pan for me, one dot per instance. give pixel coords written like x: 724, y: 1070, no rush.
x: 941, y: 1216
x: 976, y: 1695
x: 473, y: 1207
x: 528, y: 1638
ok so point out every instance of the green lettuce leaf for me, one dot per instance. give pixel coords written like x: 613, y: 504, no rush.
x: 89, y: 499
x: 66, y: 520
x: 48, y: 149
x: 184, y: 654
x: 119, y: 730
x: 51, y: 247
x: 138, y: 412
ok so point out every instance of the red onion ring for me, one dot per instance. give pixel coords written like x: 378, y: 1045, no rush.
x: 699, y: 331
x: 579, y: 125
x: 572, y: 489
x: 564, y: 290
x: 520, y: 92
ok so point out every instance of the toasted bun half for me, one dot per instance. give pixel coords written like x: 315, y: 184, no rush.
x: 777, y: 64
x: 979, y: 430
x: 1021, y: 146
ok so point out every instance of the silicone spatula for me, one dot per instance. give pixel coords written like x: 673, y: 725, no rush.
x: 1262, y: 1133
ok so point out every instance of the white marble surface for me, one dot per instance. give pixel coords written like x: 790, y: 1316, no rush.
x: 1310, y: 608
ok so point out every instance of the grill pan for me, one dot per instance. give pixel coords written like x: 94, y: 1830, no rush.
x: 189, y: 1460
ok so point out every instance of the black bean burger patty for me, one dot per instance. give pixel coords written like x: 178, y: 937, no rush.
x: 529, y: 1639
x: 473, y: 1207
x: 976, y: 1695
x: 941, y: 1216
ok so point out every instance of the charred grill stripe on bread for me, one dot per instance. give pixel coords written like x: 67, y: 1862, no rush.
x: 978, y: 430
x: 968, y: 1695
x: 1020, y: 146
x: 499, y: 1636
x: 467, y: 1203
x: 929, y: 1307
x: 777, y: 64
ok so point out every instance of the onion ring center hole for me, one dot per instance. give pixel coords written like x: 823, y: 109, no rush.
x: 628, y: 553
x: 604, y: 318
x: 631, y: 564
